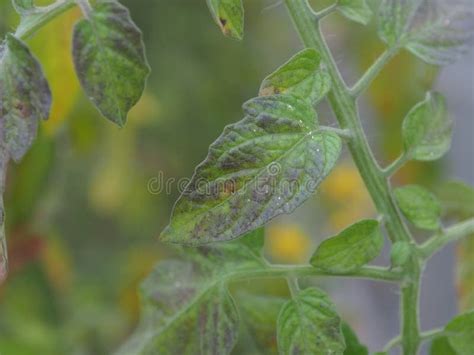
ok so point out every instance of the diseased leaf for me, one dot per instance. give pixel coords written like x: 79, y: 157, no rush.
x: 229, y: 15
x: 427, y: 129
x: 186, y: 308
x: 25, y: 97
x: 355, y: 10
x: 302, y: 76
x: 259, y: 315
x: 419, y: 206
x: 441, y: 346
x: 353, y: 346
x: 436, y: 31
x: 459, y: 333
x: 309, y: 324
x: 265, y: 165
x: 351, y: 249
x: 110, y: 62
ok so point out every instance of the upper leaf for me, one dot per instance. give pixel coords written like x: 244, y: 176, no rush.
x: 356, y: 10
x: 186, y: 307
x: 229, y: 15
x: 351, y: 249
x: 353, y: 345
x: 427, y: 129
x: 110, y: 61
x: 459, y: 333
x: 302, y: 75
x: 25, y: 97
x: 436, y: 31
x: 419, y: 206
x: 309, y: 324
x: 265, y: 165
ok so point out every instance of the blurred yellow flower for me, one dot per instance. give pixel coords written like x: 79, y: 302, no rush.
x: 348, y: 197
x: 287, y: 243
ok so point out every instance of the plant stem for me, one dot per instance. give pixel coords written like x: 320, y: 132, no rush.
x: 368, y: 272
x: 450, y: 235
x: 431, y: 334
x: 33, y: 22
x: 409, y: 302
x: 293, y: 286
x: 395, y: 166
x: 373, y: 72
x: 319, y: 15
x: 345, y: 109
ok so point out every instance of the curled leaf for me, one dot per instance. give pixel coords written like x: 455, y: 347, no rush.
x: 25, y: 97
x: 110, y: 62
x: 229, y: 16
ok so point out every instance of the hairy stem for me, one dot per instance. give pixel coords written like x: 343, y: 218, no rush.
x: 344, y: 105
x: 449, y: 235
x: 367, y: 272
x: 409, y: 302
x: 395, y: 166
x: 32, y: 22
x: 373, y: 72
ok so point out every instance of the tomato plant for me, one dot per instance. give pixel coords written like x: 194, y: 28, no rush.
x: 265, y: 165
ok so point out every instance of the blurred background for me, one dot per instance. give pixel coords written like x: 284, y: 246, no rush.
x: 82, y: 207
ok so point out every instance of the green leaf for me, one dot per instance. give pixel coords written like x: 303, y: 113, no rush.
x: 265, y: 165
x: 436, y: 31
x: 459, y: 333
x: 110, y: 62
x: 355, y: 10
x: 351, y: 249
x: 186, y: 307
x: 419, y: 206
x: 400, y: 253
x: 309, y: 324
x: 457, y: 198
x: 229, y: 16
x: 427, y: 129
x: 25, y: 97
x: 23, y: 7
x: 302, y: 76
x: 441, y: 346
x: 353, y: 346
x: 259, y: 315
